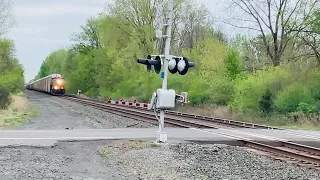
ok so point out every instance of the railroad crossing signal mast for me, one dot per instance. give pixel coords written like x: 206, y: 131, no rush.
x: 164, y: 98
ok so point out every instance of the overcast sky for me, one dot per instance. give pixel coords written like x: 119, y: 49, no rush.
x: 46, y: 25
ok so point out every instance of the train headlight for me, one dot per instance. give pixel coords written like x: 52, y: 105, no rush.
x: 55, y: 87
x: 59, y: 81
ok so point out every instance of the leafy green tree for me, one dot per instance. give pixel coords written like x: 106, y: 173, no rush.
x: 256, y: 74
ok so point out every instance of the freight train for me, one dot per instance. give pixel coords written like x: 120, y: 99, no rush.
x: 53, y: 84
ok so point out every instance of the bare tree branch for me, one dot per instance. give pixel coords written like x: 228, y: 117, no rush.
x: 278, y: 22
x: 6, y: 18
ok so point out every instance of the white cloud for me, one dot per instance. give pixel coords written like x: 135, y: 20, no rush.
x: 55, y: 9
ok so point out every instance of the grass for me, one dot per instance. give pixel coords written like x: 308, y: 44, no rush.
x: 17, y: 112
x: 286, y: 122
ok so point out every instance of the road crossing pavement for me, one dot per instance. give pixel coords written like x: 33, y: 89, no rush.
x: 51, y: 137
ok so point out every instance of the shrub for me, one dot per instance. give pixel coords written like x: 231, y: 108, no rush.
x: 4, y: 97
x: 290, y: 97
x: 233, y: 65
x: 307, y: 108
x: 198, y: 92
x: 266, y: 102
x: 250, y: 91
x: 221, y: 91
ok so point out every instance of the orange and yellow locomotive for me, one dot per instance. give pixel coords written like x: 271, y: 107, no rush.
x: 53, y: 84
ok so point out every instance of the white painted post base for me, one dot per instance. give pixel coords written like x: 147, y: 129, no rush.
x: 162, y: 137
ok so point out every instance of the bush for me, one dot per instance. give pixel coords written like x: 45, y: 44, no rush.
x: 233, y: 65
x: 221, y: 91
x: 13, y: 81
x: 198, y: 92
x: 307, y: 108
x: 249, y: 91
x: 290, y: 97
x: 266, y: 102
x: 4, y: 97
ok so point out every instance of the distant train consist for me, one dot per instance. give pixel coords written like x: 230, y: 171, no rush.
x: 53, y: 84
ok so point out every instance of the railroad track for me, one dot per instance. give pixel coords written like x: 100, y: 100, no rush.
x: 137, y: 114
x: 190, y: 117
x: 287, y: 151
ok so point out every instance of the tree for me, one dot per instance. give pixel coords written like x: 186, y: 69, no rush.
x: 6, y: 55
x: 6, y: 19
x: 281, y: 19
x: 89, y: 38
x: 311, y: 35
x: 137, y: 18
x: 193, y: 25
x: 11, y: 72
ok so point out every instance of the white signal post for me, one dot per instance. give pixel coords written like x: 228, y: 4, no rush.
x: 165, y: 98
x: 162, y: 136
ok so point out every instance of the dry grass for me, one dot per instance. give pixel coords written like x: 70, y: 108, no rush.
x: 83, y: 96
x: 18, y: 111
x: 288, y: 122
x: 208, y: 110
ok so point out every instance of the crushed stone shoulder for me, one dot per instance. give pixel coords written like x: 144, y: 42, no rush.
x: 58, y: 113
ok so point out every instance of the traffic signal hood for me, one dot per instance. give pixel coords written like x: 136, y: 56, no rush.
x: 176, y: 64
x: 149, y: 62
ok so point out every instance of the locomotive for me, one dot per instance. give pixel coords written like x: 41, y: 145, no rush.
x: 53, y: 84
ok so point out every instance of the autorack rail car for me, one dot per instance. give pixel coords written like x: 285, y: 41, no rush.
x: 53, y: 84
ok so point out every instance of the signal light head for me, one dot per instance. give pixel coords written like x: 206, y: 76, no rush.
x: 157, y: 66
x: 148, y: 64
x: 172, y: 65
x: 181, y: 65
x: 176, y: 64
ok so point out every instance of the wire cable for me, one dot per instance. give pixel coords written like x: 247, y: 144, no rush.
x: 155, y: 111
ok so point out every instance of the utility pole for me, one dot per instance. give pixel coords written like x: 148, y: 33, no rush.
x: 167, y: 57
x: 164, y: 98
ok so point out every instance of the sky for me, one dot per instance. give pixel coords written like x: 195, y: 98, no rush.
x: 43, y: 26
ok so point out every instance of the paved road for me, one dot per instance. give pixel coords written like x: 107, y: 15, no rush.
x: 51, y: 137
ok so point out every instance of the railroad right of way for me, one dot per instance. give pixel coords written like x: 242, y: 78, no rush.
x: 288, y: 151
x: 96, y: 144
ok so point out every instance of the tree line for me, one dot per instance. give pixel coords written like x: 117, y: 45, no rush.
x: 276, y: 71
x: 11, y: 71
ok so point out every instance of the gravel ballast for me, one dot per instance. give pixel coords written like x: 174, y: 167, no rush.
x: 195, y: 161
x: 68, y: 160
x: 133, y: 160
x: 58, y: 113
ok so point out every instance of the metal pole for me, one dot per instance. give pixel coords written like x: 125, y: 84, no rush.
x: 167, y: 45
x: 165, y: 63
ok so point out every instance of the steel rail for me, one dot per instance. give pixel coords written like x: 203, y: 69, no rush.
x: 136, y: 114
x: 221, y: 121
x: 311, y: 156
